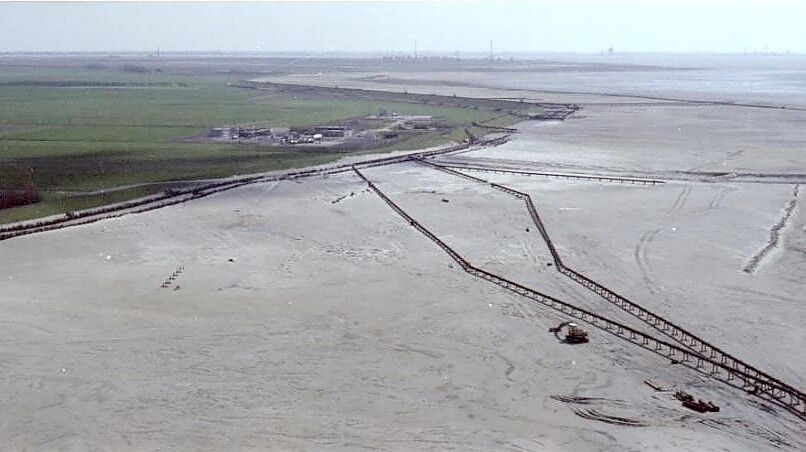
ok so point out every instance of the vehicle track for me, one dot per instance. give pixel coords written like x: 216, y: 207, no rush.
x: 581, y: 400
x: 788, y: 396
x: 641, y: 251
x: 682, y: 198
x: 642, y: 259
x: 716, y: 201
x: 595, y: 415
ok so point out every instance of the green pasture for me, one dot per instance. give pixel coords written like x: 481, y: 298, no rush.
x: 83, y: 130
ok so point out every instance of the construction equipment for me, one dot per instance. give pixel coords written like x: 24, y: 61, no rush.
x: 574, y: 333
x: 698, y: 405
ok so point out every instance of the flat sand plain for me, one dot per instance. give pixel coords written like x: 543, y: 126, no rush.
x: 308, y: 315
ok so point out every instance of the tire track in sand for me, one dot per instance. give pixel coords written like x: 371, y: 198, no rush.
x: 641, y: 250
x: 716, y: 201
x: 641, y: 254
x: 681, y: 198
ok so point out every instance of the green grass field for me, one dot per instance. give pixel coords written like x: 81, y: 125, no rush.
x: 85, y: 130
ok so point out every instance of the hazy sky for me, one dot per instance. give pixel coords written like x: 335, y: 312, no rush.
x: 552, y: 26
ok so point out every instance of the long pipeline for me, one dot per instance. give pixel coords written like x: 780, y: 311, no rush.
x: 782, y: 395
x: 694, y: 343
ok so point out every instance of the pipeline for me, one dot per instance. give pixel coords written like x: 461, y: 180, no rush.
x: 495, y: 128
x: 174, y: 197
x: 694, y: 344
x: 694, y: 102
x: 623, y: 180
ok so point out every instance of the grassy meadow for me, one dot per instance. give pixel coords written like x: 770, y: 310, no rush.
x: 83, y: 130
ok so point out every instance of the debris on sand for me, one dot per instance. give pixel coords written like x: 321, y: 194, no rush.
x: 340, y: 198
x: 174, y: 276
x: 445, y: 200
x: 699, y: 405
x: 683, y: 396
x: 658, y: 386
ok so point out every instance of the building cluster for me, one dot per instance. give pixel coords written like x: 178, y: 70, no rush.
x: 397, y: 121
x: 389, y: 126
x: 273, y: 135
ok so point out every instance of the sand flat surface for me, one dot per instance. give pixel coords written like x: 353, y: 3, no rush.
x: 337, y: 325
x: 309, y: 315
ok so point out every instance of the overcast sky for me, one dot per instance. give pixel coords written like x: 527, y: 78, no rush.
x: 552, y: 26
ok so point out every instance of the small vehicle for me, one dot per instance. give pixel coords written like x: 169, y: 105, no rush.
x: 574, y: 334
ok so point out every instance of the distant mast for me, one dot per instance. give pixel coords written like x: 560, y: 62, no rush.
x: 415, y: 49
x: 491, y: 51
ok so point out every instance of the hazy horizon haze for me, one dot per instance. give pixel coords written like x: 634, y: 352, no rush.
x: 388, y: 27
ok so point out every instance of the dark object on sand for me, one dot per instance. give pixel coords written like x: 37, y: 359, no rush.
x: 574, y: 334
x: 699, y: 405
